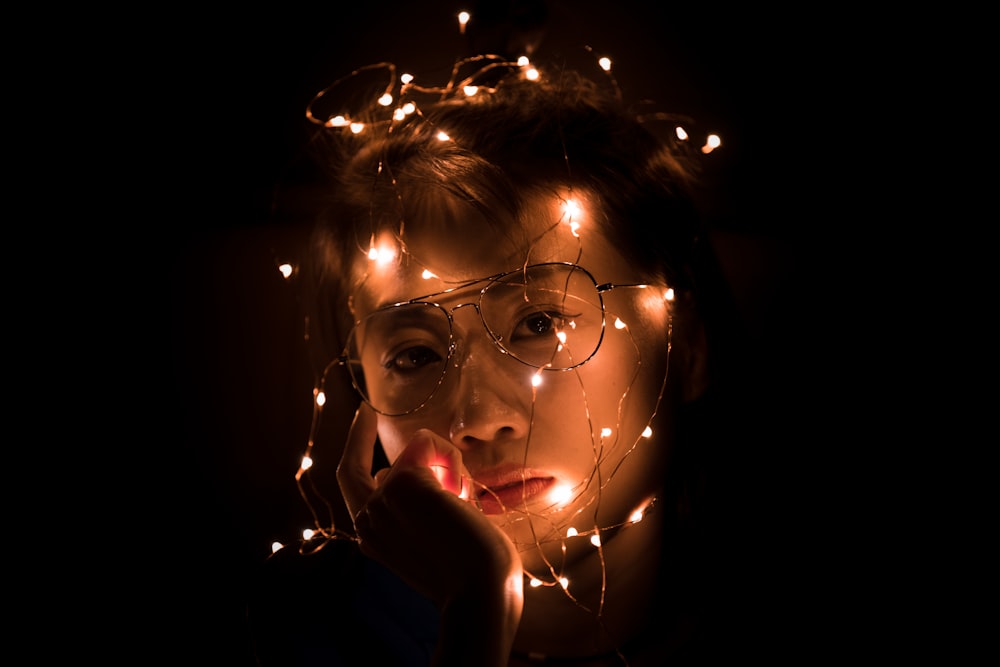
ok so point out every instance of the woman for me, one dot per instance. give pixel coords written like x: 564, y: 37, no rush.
x: 511, y: 274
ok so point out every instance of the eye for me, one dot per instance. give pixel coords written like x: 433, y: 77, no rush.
x: 541, y: 323
x: 412, y: 359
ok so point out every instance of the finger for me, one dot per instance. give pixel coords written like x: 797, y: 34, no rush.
x: 354, y: 471
x: 427, y: 449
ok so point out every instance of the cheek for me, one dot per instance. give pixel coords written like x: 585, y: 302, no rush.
x: 624, y: 379
x: 395, y: 432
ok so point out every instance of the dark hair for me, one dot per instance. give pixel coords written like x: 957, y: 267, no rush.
x: 519, y: 138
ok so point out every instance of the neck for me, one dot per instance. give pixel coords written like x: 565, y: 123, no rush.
x: 606, y: 607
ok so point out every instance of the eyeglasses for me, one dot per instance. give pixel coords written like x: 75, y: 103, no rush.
x: 548, y: 316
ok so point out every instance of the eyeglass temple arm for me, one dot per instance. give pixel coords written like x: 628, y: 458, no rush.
x: 607, y: 287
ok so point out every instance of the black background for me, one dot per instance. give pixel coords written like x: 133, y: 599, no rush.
x: 212, y: 402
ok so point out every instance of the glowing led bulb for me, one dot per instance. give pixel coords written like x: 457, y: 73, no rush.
x: 357, y: 128
x: 595, y: 539
x: 427, y: 275
x: 561, y: 335
x: 619, y: 324
x: 636, y: 516
x: 647, y: 432
x: 382, y: 255
x: 669, y: 294
x: 276, y: 547
x: 463, y: 18
x: 470, y: 90
x: 320, y: 398
x: 398, y: 114
x: 286, y: 269
x: 535, y: 583
x: 681, y: 133
x: 409, y: 108
x: 406, y: 78
x: 605, y: 432
x: 443, y: 136
x: 561, y: 494
x: 536, y: 379
x: 571, y: 532
x: 385, y: 100
x: 531, y: 74
x: 605, y: 64
x: 712, y: 142
x: 337, y: 121
x: 571, y: 209
x: 307, y: 462
x: 523, y: 61
x: 564, y: 582
x: 308, y: 533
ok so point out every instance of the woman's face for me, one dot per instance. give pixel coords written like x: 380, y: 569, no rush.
x: 547, y: 451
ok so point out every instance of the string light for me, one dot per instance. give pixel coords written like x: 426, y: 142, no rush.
x: 712, y: 142
x: 384, y: 253
x: 381, y: 255
x: 561, y: 494
x: 276, y: 547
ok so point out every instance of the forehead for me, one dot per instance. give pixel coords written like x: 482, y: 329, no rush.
x: 555, y: 227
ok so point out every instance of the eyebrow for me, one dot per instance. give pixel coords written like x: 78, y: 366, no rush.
x: 451, y: 290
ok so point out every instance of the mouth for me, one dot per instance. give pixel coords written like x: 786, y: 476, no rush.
x: 510, y: 488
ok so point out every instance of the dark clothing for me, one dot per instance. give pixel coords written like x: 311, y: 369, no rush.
x: 337, y: 607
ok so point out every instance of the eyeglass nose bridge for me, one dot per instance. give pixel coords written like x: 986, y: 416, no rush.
x: 476, y: 305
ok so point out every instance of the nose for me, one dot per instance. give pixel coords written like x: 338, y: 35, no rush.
x: 492, y: 399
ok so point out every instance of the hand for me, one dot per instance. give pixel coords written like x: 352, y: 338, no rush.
x: 411, y: 518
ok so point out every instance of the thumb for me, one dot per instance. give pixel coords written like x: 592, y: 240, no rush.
x: 354, y: 471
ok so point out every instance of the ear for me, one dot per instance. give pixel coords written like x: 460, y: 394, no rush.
x: 689, y: 358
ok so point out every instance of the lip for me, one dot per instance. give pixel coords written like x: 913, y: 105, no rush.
x: 510, y: 487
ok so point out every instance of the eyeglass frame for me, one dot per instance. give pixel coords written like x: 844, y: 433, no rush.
x: 344, y: 359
